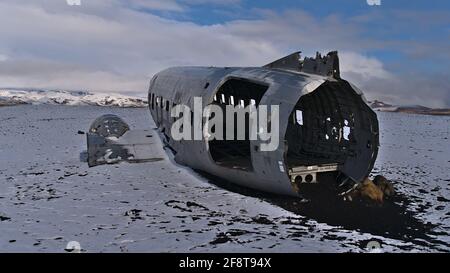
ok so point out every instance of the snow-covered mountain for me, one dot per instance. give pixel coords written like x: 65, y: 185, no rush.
x: 411, y: 109
x: 379, y: 104
x: 11, y: 96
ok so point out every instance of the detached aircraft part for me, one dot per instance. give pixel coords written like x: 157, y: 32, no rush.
x: 110, y: 141
x: 325, y: 123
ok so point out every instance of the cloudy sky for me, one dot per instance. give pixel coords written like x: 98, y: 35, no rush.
x: 398, y: 52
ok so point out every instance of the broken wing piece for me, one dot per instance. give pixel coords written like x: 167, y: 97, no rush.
x: 133, y: 146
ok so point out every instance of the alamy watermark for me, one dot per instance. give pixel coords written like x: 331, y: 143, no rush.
x: 374, y: 246
x: 73, y: 247
x: 373, y: 2
x: 73, y: 2
x: 240, y: 122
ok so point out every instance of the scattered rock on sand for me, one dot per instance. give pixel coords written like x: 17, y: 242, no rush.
x: 442, y: 199
x: 4, y: 218
x: 384, y: 185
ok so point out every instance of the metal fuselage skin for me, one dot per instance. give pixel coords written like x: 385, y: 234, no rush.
x: 271, y: 171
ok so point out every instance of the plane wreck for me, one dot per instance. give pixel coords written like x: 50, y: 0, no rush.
x: 324, y: 124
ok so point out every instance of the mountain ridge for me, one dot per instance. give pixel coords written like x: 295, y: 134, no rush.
x: 17, y: 96
x: 409, y: 109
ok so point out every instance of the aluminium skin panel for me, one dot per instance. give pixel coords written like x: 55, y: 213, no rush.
x: 180, y: 85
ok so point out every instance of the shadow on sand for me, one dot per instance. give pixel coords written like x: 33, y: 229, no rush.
x: 391, y: 220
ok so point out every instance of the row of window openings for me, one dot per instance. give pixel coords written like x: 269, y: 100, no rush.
x: 159, y: 101
x: 223, y: 100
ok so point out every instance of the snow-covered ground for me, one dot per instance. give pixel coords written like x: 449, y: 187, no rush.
x: 48, y: 197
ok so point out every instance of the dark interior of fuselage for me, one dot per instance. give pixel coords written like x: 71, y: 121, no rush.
x: 241, y: 93
x: 323, y: 128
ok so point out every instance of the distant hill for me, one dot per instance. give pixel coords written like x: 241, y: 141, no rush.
x: 15, y: 96
x: 11, y: 96
x: 411, y: 109
x: 378, y: 104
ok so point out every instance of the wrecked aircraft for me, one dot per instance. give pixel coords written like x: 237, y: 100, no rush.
x: 325, y: 125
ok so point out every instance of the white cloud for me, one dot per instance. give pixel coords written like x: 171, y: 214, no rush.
x: 364, y: 67
x: 128, y: 44
x: 106, y: 45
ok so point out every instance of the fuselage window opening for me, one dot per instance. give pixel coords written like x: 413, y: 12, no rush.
x: 150, y: 100
x: 153, y: 100
x: 299, y: 117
